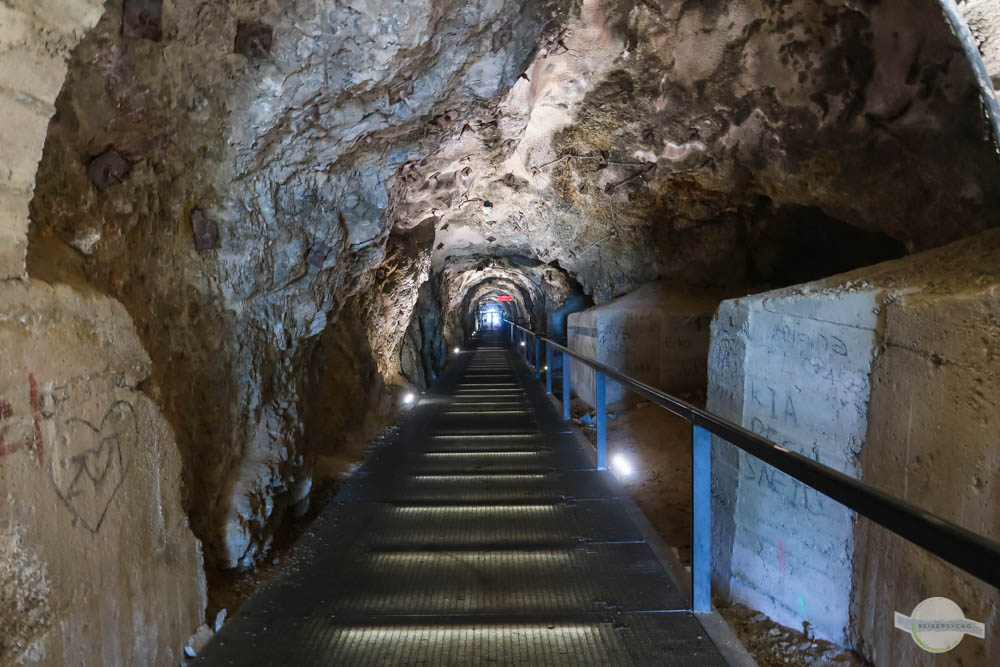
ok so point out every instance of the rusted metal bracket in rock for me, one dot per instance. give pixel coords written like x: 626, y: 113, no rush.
x: 143, y: 19
x: 206, y: 231
x: 317, y: 255
x: 107, y: 169
x: 253, y: 39
x: 400, y: 92
x: 501, y: 38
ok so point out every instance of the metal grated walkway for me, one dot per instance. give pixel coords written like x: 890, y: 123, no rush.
x: 479, y: 535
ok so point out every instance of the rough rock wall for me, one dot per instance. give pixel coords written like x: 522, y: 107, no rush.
x: 423, y: 353
x: 97, y: 562
x: 678, y: 139
x: 983, y: 17
x: 348, y: 402
x: 884, y: 373
x: 257, y: 148
x: 391, y: 294
x: 36, y: 37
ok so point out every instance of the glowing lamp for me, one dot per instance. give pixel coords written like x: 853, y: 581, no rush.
x: 621, y: 465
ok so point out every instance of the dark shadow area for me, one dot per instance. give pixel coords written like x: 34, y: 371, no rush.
x: 802, y: 243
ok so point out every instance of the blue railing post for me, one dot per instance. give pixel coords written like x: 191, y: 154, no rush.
x: 602, y: 422
x: 701, y: 520
x: 548, y: 369
x: 565, y: 383
x: 538, y: 357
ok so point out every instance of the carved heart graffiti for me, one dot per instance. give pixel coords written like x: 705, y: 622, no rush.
x: 91, y: 469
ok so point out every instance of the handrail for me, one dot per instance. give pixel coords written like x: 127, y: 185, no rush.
x: 970, y: 551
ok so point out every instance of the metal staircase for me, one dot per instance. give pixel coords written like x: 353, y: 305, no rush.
x: 480, y: 535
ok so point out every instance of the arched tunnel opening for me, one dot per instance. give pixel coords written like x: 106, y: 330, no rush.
x: 248, y: 249
x: 490, y: 315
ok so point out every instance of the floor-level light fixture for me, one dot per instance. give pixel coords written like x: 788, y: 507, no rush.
x: 621, y: 465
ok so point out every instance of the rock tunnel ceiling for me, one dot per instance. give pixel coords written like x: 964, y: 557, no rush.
x: 258, y: 174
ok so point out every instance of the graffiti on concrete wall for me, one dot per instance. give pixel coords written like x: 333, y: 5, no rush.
x: 776, y: 415
x: 805, y: 387
x: 88, y: 461
x: 90, y: 468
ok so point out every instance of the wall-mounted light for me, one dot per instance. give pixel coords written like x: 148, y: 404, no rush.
x: 408, y: 399
x: 522, y: 343
x: 457, y: 350
x: 621, y: 465
x: 545, y: 368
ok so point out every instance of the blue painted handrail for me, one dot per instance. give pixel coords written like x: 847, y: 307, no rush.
x: 974, y: 553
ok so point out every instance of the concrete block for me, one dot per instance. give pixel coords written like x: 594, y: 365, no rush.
x: 805, y: 386
x: 657, y: 334
x: 848, y: 371
x: 728, y: 350
x: 933, y: 422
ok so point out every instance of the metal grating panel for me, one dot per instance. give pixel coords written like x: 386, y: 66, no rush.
x: 502, y: 526
x: 401, y: 488
x: 523, y: 436
x: 627, y: 640
x: 495, y: 411
x: 527, y: 454
x: 594, y: 578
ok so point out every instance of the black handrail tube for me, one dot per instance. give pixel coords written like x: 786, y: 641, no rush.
x: 977, y: 555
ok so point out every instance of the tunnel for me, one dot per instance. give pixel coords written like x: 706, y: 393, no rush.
x: 458, y: 332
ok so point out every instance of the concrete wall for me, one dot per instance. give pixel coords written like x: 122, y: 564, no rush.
x: 934, y: 419
x: 657, y: 333
x: 36, y: 37
x: 887, y: 373
x: 97, y: 562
